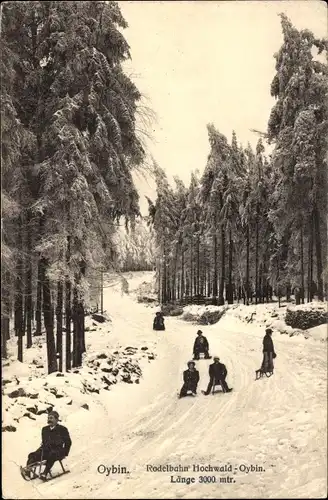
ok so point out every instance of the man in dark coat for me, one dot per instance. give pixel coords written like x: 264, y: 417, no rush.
x: 158, y: 323
x: 268, y: 352
x: 217, y: 373
x: 201, y: 345
x: 190, y: 380
x: 56, y: 443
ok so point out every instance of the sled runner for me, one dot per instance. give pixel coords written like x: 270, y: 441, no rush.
x: 260, y: 373
x: 189, y: 393
x: 197, y: 359
x: 33, y: 471
x: 214, y: 391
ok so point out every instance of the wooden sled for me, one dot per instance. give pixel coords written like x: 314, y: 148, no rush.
x: 260, y: 373
x: 201, y: 356
x: 189, y: 394
x: 218, y: 384
x: 35, y: 471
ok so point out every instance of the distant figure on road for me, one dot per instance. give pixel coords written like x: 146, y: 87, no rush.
x: 190, y: 380
x: 158, y: 323
x: 201, y: 345
x: 268, y: 352
x: 124, y: 286
x: 218, y: 374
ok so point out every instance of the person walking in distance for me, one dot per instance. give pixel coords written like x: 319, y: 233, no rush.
x: 190, y: 380
x: 218, y: 373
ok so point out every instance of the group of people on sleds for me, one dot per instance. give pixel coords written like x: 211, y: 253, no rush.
x: 217, y: 370
x: 56, y: 441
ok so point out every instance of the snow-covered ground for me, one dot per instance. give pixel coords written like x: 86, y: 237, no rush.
x: 277, y: 423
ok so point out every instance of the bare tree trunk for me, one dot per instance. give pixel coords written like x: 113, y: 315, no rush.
x: 182, y: 274
x: 256, y: 255
x: 19, y: 327
x: 38, y: 310
x: 191, y: 270
x: 59, y: 324
x: 101, y: 292
x: 198, y: 268
x: 247, y: 265
x: 222, y: 281
x: 68, y: 311
x: 215, y: 271
x: 28, y: 296
x: 48, y: 319
x: 317, y: 237
x: 75, y: 329
x: 302, y: 266
x: 229, y: 291
x: 165, y: 278
x: 82, y: 315
x: 4, y: 313
x: 310, y: 263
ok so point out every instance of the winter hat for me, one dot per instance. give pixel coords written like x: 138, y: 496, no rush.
x: 191, y: 363
x: 54, y: 414
x: 199, y: 332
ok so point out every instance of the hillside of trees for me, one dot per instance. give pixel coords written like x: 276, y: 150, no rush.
x: 69, y: 146
x: 253, y: 226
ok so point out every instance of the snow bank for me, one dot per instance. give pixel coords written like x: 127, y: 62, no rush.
x: 272, y: 316
x: 307, y: 316
x: 203, y: 315
x: 318, y: 333
x: 28, y: 393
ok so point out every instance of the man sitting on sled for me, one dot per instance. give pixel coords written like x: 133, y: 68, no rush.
x: 56, y: 443
x: 201, y: 345
x: 218, y: 373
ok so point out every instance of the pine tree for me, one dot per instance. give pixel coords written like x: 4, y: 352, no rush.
x: 298, y: 127
x: 72, y: 96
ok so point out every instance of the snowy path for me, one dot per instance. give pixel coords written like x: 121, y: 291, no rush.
x: 277, y: 423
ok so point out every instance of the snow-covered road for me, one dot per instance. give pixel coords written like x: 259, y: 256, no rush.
x: 277, y: 423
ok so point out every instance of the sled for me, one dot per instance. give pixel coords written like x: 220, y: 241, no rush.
x: 214, y: 391
x: 34, y: 474
x: 260, y: 373
x: 194, y: 359
x: 189, y: 394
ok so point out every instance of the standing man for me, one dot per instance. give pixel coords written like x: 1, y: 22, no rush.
x: 56, y: 443
x: 218, y: 374
x: 268, y: 352
x: 201, y: 345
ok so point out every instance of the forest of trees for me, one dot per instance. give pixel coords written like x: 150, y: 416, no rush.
x: 69, y: 145
x: 251, y: 225
x: 136, y: 250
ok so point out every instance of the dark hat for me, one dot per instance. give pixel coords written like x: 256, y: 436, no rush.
x: 268, y: 330
x: 191, y: 363
x: 199, y: 332
x: 54, y: 414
